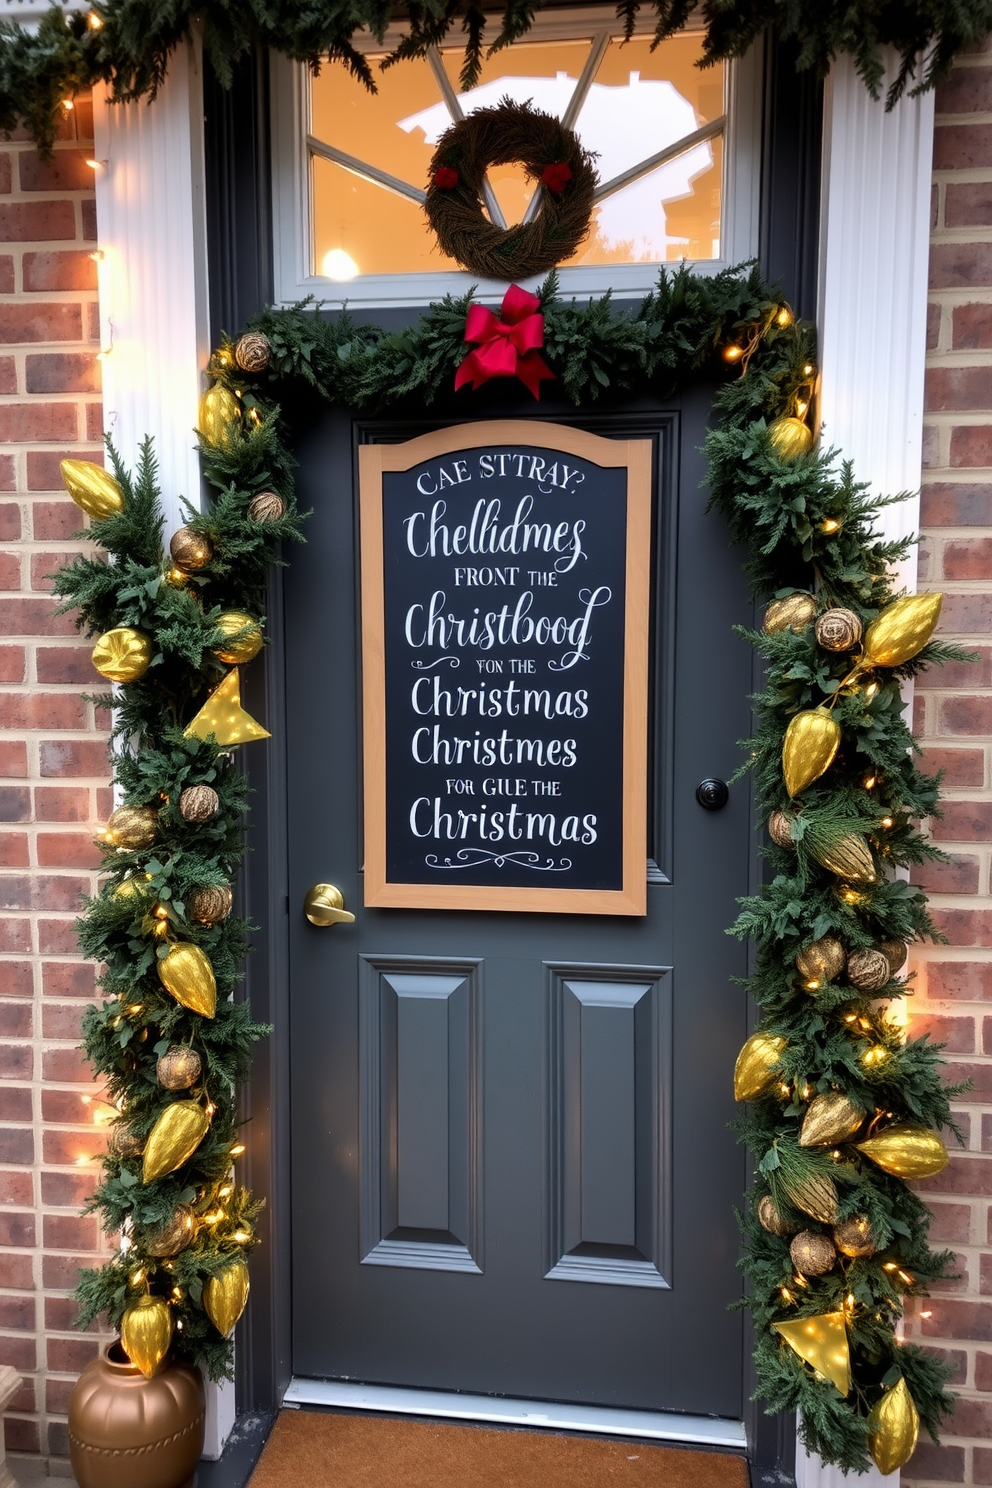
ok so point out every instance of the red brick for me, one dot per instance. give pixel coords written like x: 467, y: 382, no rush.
x: 962, y: 146
x: 21, y: 1353
x: 16, y: 1063
x: 16, y: 1146
x: 70, y: 1232
x: 89, y: 222
x: 980, y: 1076
x: 25, y: 423
x: 42, y: 710
x: 72, y: 269
x: 68, y: 978
x: 8, y: 375
x: 67, y: 1067
x: 10, y: 571
x: 70, y: 1355
x: 966, y: 90
x: 57, y: 937
x: 16, y: 1271
x: 967, y: 715
x: 14, y: 850
x: 8, y: 476
x: 17, y: 1313
x: 70, y: 664
x: 45, y: 565
x: 958, y: 675
x: 982, y: 1470
x: 972, y: 1417
x: 971, y: 1176
x: 60, y: 1273
x: 16, y: 979
x: 94, y: 421
x: 953, y: 389
x: 933, y: 326
x: 61, y: 1314
x: 15, y: 1019
x: 40, y: 321
x: 943, y: 1464
x: 969, y: 558
x: 67, y: 1108
x: 12, y: 663
x: 966, y: 614
x: 957, y: 1034
x: 15, y: 935
x: 61, y: 1020
x: 61, y: 803
x: 10, y: 521
x: 44, y: 475
x: 66, y: 1190
x: 62, y: 372
x: 957, y: 1362
x: 13, y: 758
x: 65, y: 170
x: 15, y: 803
x: 959, y: 876
x: 16, y: 1188
x: 17, y: 1229
x: 971, y: 325
x: 37, y: 221
x: 951, y: 1224
x: 74, y: 758
x: 964, y: 821
x: 971, y: 445
x: 69, y: 850
x: 6, y: 274
x: 954, y: 1319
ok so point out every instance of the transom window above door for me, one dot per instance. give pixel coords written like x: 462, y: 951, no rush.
x: 667, y: 137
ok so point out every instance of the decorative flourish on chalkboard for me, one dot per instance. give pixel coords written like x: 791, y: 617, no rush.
x: 473, y: 857
x: 425, y: 666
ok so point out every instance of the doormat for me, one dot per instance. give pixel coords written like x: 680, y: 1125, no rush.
x: 313, y: 1449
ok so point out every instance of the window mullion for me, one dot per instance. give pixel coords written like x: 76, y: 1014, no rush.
x: 454, y: 106
x: 367, y: 172
x: 600, y: 42
x: 670, y: 152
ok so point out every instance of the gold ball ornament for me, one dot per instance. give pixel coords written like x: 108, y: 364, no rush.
x: 855, y: 1238
x: 123, y: 654
x: 122, y: 1142
x: 770, y: 1218
x: 815, y: 1195
x: 242, y: 637
x: 133, y: 827
x: 869, y: 971
x: 894, y: 1425
x: 754, y: 1072
x: 780, y: 828
x: 266, y: 507
x: 220, y: 417
x: 185, y: 972
x: 138, y: 886
x: 190, y: 551
x: 225, y: 1296
x: 199, y: 804
x: 838, y: 630
x: 790, y: 437
x: 252, y: 351
x: 808, y: 749
x: 895, y: 952
x: 901, y: 630
x: 91, y: 488
x: 210, y: 905
x: 821, y: 961
x: 848, y: 856
x: 146, y: 1332
x: 794, y: 612
x: 172, y: 1237
x: 179, y: 1067
x: 175, y: 1137
x: 812, y: 1253
x: 830, y: 1119
x: 906, y: 1151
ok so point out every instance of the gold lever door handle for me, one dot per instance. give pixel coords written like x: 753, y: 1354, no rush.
x: 324, y: 905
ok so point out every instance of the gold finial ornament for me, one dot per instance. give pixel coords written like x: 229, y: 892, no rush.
x: 225, y: 1296
x: 901, y: 630
x: 894, y: 1424
x: 906, y: 1151
x: 848, y: 857
x: 123, y: 654
x: 808, y: 749
x: 92, y: 489
x: 794, y: 612
x: 754, y: 1072
x: 146, y: 1332
x: 790, y: 437
x: 185, y: 972
x: 829, y: 1119
x: 223, y: 716
x: 822, y: 1342
x: 243, y: 637
x: 175, y: 1137
x: 220, y: 417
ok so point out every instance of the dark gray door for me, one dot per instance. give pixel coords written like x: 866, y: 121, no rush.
x: 512, y: 1172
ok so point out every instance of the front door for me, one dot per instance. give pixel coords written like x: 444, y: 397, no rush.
x: 512, y: 1169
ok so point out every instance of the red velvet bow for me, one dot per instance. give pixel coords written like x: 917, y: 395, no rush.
x: 509, y: 346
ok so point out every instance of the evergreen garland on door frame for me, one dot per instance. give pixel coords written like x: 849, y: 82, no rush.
x: 839, y: 1105
x: 127, y: 43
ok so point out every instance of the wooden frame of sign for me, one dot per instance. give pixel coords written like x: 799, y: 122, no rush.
x: 505, y: 568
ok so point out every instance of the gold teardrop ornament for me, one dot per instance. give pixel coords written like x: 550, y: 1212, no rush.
x: 822, y: 1342
x: 901, y: 630
x: 815, y: 1195
x: 91, y: 488
x: 829, y: 1119
x: 242, y: 637
x: 225, y: 1296
x: 849, y: 857
x: 794, y: 612
x: 146, y: 1332
x: 894, y: 1424
x: 186, y: 973
x: 754, y: 1072
x: 220, y: 417
x: 175, y: 1137
x: 906, y: 1151
x: 790, y: 437
x: 810, y: 743
x: 123, y: 654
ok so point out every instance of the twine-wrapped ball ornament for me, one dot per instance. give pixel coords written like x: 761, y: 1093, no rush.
x: 225, y: 1296
x: 838, y: 630
x: 812, y: 1254
x: 790, y: 437
x: 211, y: 904
x: 122, y: 1142
x: 199, y: 804
x: 794, y: 612
x: 133, y: 827
x: 895, y: 952
x: 146, y: 1332
x: 175, y: 1137
x: 869, y: 971
x: 808, y: 749
x: 821, y: 961
x: 780, y: 829
x: 172, y: 1237
x: 190, y: 551
x: 770, y: 1218
x: 894, y: 1426
x: 242, y: 637
x: 754, y: 1071
x: 179, y: 1067
x: 855, y: 1238
x: 122, y: 654
x: 252, y: 351
x: 829, y: 1119
x: 266, y: 507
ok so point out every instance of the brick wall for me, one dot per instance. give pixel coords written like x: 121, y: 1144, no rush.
x: 954, y: 717
x: 53, y: 773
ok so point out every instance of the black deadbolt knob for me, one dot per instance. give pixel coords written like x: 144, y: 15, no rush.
x: 712, y: 794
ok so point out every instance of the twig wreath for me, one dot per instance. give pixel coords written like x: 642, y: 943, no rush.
x: 839, y: 1108
x: 551, y: 155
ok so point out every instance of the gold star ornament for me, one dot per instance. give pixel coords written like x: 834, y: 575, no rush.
x: 223, y: 716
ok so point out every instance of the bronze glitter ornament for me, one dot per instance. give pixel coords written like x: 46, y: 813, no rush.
x: 172, y: 1237
x: 199, y: 804
x: 771, y: 1220
x: 812, y: 1253
x: 855, y: 1238
x: 190, y: 551
x: 122, y: 1142
x: 794, y: 612
x: 895, y: 952
x: 266, y: 507
x: 133, y: 827
x: 869, y: 971
x: 252, y: 351
x: 780, y: 828
x: 126, y: 1430
x: 179, y: 1067
x: 210, y: 905
x: 838, y: 630
x: 821, y: 961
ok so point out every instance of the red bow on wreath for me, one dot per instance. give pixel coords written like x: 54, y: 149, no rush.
x: 508, y: 346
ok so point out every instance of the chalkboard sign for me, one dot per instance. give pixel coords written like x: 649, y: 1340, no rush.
x: 505, y: 583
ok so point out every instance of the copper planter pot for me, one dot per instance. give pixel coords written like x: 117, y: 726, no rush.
x: 126, y: 1431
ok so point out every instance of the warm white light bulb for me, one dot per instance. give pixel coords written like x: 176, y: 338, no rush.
x: 337, y: 264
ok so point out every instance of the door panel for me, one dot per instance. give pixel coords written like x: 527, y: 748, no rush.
x: 511, y: 1163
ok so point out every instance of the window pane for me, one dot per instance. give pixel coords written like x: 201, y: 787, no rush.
x: 367, y: 125
x: 381, y: 233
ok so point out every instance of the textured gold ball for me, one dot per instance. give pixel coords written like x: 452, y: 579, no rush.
x: 868, y: 970
x: 252, y: 351
x: 190, y: 551
x: 123, y: 654
x: 266, y: 507
x: 179, y: 1067
x: 122, y: 1142
x: 838, y: 630
x: 794, y: 612
x: 199, y: 804
x: 854, y: 1238
x: 133, y: 827
x: 895, y: 952
x: 821, y: 961
x: 771, y: 1220
x: 812, y: 1253
x: 790, y: 437
x: 242, y: 637
x: 780, y: 828
x: 172, y: 1237
x: 210, y: 905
